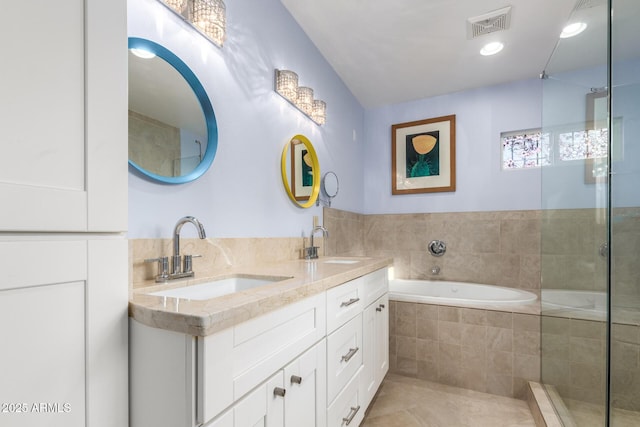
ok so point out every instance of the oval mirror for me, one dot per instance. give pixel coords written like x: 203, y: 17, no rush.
x: 173, y: 134
x: 300, y: 171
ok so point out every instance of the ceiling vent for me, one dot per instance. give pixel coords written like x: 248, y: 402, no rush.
x: 498, y: 20
x: 587, y: 4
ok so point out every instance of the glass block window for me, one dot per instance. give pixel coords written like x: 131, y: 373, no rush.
x: 585, y: 144
x: 525, y: 149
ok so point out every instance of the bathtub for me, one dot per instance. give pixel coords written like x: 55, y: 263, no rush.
x: 589, y: 305
x: 457, y: 293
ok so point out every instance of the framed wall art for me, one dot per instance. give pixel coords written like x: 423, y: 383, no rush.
x: 423, y: 156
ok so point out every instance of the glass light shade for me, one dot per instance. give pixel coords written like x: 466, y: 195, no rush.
x: 209, y: 17
x: 287, y: 84
x: 305, y: 100
x: 319, y: 114
x: 177, y: 5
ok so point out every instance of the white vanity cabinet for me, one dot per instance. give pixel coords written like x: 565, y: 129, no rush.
x: 301, y: 365
x: 181, y: 380
x: 294, y: 396
x: 357, y: 346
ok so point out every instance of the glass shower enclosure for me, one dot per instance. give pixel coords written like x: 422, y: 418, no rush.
x: 590, y: 241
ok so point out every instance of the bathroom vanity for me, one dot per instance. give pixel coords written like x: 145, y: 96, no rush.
x: 309, y: 348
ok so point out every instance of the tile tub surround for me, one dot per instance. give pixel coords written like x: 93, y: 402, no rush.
x: 206, y: 317
x: 496, y: 248
x: 490, y: 351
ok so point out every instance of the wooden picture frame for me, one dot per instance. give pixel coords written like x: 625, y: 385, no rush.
x: 423, y: 156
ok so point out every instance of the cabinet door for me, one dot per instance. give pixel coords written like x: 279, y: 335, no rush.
x: 64, y: 358
x: 382, y: 338
x: 369, y: 353
x: 63, y: 115
x: 375, y: 345
x: 263, y: 407
x: 306, y: 381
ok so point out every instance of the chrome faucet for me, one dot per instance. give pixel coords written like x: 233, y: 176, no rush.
x: 312, y: 251
x: 179, y: 269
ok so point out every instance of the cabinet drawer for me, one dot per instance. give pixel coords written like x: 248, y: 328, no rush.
x: 344, y: 355
x: 374, y: 285
x: 344, y: 302
x: 348, y: 408
x: 234, y: 361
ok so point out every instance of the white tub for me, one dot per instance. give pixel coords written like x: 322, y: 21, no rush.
x: 457, y: 293
x: 589, y: 305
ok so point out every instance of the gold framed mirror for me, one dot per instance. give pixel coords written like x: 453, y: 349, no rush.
x: 300, y: 170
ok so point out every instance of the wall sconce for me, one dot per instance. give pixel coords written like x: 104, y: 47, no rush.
x: 300, y: 97
x: 208, y: 17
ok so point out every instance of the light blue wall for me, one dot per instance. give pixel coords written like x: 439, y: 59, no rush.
x: 242, y: 194
x: 481, y: 115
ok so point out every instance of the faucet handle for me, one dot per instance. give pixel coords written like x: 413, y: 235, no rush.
x: 187, y: 265
x: 163, y: 267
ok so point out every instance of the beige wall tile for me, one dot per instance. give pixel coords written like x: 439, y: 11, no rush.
x: 499, y: 339
x: 500, y: 319
x: 449, y: 332
x: 406, y: 348
x: 473, y: 316
x: 448, y: 314
x: 526, y: 322
x: 427, y: 328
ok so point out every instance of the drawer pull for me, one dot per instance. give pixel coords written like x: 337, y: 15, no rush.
x: 351, y: 415
x: 351, y: 301
x: 381, y: 305
x: 278, y: 391
x: 296, y: 379
x: 348, y: 356
x: 378, y: 309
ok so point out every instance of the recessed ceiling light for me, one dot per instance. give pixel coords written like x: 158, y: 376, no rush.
x: 142, y: 53
x: 573, y: 30
x: 491, y: 48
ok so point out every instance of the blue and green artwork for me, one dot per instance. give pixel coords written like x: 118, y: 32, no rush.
x: 422, y: 154
x: 307, y: 169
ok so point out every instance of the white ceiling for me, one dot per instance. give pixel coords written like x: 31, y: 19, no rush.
x: 389, y: 52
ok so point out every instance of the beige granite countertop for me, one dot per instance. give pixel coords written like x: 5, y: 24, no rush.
x: 205, y: 317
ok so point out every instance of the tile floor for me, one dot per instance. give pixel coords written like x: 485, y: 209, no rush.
x: 590, y: 415
x: 410, y: 402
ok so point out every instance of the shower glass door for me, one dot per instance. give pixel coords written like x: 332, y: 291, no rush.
x: 575, y: 218
x: 590, y: 243
x: 624, y: 397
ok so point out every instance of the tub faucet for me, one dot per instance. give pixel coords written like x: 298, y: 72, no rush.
x: 178, y: 268
x: 312, y: 251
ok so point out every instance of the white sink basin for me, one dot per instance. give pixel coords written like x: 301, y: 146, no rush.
x: 217, y: 288
x: 341, y: 261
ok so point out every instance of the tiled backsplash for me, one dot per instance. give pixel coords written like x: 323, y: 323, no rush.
x: 217, y: 254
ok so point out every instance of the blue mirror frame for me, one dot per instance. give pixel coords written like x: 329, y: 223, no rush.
x: 205, y: 103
